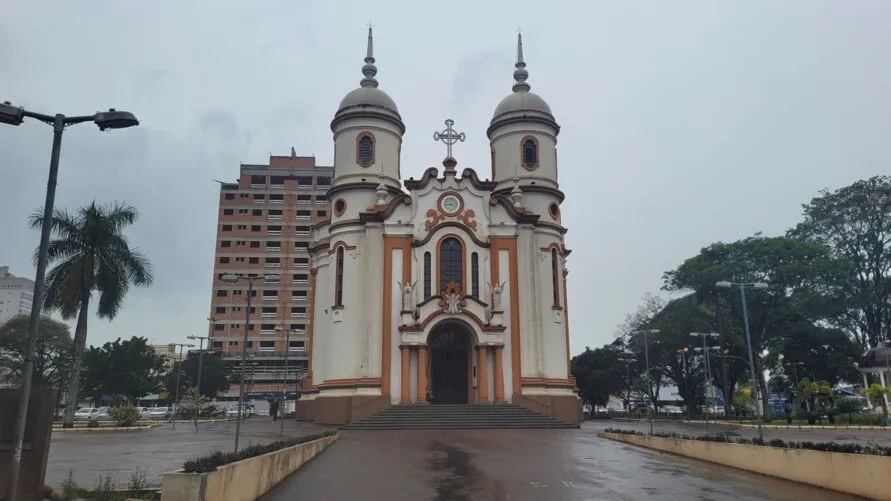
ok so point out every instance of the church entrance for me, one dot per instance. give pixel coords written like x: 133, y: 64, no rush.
x: 450, y: 364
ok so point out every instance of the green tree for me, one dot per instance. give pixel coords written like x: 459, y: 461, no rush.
x: 92, y: 255
x: 53, y: 356
x: 855, y: 223
x: 599, y: 374
x: 877, y: 394
x: 214, y: 375
x: 849, y: 406
x: 130, y: 368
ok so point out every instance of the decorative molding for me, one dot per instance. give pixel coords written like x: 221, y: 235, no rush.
x: 450, y: 224
x: 432, y: 174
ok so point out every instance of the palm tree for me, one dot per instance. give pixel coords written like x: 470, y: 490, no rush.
x: 91, y: 255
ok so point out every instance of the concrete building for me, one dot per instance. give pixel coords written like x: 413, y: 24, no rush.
x: 16, y: 295
x: 447, y: 289
x: 264, y: 228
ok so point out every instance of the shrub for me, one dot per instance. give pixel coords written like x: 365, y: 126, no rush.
x: 216, y: 459
x: 848, y: 448
x: 92, y: 423
x: 125, y: 415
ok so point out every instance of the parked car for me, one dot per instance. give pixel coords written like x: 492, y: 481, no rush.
x: 86, y: 413
x: 102, y: 413
x: 158, y: 412
x: 144, y: 413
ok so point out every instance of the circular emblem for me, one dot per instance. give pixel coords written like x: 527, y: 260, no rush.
x: 450, y: 203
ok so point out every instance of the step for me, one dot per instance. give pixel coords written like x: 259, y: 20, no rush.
x: 457, y: 416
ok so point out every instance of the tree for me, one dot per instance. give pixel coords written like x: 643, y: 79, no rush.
x: 636, y: 322
x: 91, y: 255
x: 214, y: 374
x: 877, y: 394
x: 855, y: 223
x: 53, y: 356
x: 130, y: 368
x: 849, y: 406
x: 599, y: 374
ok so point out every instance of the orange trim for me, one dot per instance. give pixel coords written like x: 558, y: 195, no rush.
x: 548, y: 382
x: 405, y: 394
x: 566, y: 324
x: 439, y: 261
x: 373, y: 148
x: 482, y: 373
x: 510, y: 245
x: 421, y: 397
x: 351, y: 383
x: 498, y: 366
x: 391, y: 242
x: 523, y: 153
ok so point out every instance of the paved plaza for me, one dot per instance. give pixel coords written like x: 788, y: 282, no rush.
x: 461, y: 465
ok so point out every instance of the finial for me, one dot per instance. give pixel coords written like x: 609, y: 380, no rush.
x: 369, y: 69
x: 520, y: 74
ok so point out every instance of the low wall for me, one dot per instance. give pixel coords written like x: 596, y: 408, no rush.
x: 859, y: 474
x: 244, y: 480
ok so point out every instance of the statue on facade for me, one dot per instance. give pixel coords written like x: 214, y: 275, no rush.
x: 453, y: 302
x: 408, y: 295
x: 497, y: 290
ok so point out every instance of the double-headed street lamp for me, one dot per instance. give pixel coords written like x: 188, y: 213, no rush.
x: 179, y: 371
x: 742, y: 294
x: 647, y: 359
x: 287, y: 333
x: 231, y: 278
x: 200, y: 364
x: 14, y: 115
x: 705, y: 351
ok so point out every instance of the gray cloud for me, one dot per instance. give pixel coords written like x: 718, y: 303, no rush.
x: 682, y: 123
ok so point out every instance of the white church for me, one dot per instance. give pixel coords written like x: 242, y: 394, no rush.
x: 447, y: 289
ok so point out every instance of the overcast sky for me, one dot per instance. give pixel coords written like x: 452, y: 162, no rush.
x: 683, y: 123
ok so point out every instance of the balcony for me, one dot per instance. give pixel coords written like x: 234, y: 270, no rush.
x: 259, y: 201
x: 323, y: 186
x: 274, y: 216
x: 301, y: 265
x: 273, y: 249
x: 298, y: 315
x: 277, y: 186
x: 302, y: 233
x: 272, y: 265
x: 270, y: 298
x: 235, y: 355
x: 304, y: 202
x: 276, y: 200
x: 303, y: 217
x: 273, y: 232
x: 298, y: 299
x: 299, y: 282
x: 268, y: 315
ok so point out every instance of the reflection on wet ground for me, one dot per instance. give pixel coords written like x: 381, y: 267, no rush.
x: 470, y: 465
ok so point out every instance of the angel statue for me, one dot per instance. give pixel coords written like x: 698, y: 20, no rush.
x: 408, y: 295
x: 497, y: 290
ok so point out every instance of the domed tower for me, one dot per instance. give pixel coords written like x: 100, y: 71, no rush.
x: 367, y: 142
x: 523, y: 136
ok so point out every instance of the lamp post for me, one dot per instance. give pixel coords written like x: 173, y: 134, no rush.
x: 200, y: 365
x: 269, y: 279
x: 742, y: 294
x: 686, y: 373
x: 179, y: 371
x: 708, y: 368
x: 628, y: 360
x: 13, y: 115
x: 647, y: 360
x: 287, y: 333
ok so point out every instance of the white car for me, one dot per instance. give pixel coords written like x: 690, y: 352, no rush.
x: 102, y: 413
x: 158, y: 412
x: 86, y: 413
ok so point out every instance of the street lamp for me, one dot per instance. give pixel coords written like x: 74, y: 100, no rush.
x: 14, y: 115
x: 231, y: 278
x: 647, y: 359
x: 287, y: 333
x: 179, y: 371
x: 708, y: 368
x: 742, y: 294
x: 200, y: 364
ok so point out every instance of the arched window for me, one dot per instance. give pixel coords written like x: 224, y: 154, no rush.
x: 475, y: 275
x: 428, y: 274
x: 530, y: 153
x: 450, y: 264
x: 555, y: 272
x: 338, y: 278
x: 365, y: 150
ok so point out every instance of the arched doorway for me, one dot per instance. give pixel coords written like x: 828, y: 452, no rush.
x: 450, y: 364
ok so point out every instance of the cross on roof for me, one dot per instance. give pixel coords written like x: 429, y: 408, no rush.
x: 449, y: 136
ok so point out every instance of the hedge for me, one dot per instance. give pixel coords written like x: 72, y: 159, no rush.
x: 871, y: 449
x: 209, y: 463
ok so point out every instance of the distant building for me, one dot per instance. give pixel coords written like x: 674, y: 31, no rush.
x: 16, y: 295
x: 173, y: 355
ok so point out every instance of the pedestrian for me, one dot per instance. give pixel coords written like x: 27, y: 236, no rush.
x: 273, y: 409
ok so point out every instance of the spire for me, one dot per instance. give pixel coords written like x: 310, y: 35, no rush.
x: 369, y: 69
x: 520, y: 74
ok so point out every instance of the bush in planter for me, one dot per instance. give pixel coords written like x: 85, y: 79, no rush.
x: 125, y: 415
x: 92, y: 423
x: 210, y: 463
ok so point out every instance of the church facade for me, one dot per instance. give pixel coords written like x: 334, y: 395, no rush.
x: 447, y: 289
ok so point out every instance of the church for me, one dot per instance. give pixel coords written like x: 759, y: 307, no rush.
x: 448, y: 289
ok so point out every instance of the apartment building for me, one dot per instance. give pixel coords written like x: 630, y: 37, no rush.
x: 264, y: 229
x: 16, y: 295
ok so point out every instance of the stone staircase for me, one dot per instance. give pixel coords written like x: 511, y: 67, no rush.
x: 402, y: 417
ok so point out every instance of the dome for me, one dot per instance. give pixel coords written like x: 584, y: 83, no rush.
x: 522, y: 101
x: 522, y: 104
x: 368, y: 101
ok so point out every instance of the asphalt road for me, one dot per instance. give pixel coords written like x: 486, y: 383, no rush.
x: 520, y: 465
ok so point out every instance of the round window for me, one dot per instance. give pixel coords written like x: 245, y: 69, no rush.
x: 339, y: 207
x: 554, y: 210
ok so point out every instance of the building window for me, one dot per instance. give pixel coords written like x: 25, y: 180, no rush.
x: 220, y: 309
x: 428, y: 282
x: 475, y: 275
x: 555, y: 272
x: 224, y: 260
x: 228, y: 212
x: 530, y: 152
x: 219, y: 327
x: 365, y: 149
x: 338, y: 278
x: 225, y: 243
x: 229, y: 196
x: 450, y: 265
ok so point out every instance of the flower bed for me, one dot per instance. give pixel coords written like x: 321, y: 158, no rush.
x: 213, y: 461
x: 848, y: 448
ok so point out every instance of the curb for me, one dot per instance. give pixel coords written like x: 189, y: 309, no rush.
x: 793, y: 427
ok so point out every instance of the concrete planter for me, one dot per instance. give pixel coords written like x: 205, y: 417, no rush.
x: 244, y: 480
x: 858, y: 474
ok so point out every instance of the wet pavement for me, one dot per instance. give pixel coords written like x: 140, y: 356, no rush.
x: 89, y: 455
x: 520, y: 465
